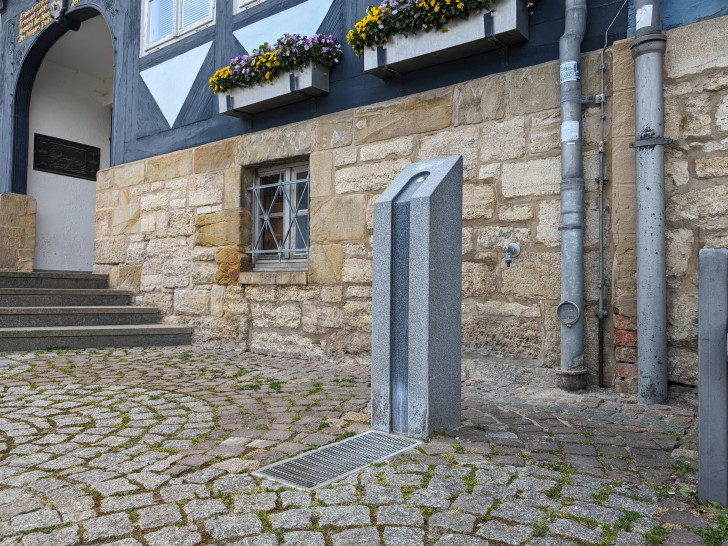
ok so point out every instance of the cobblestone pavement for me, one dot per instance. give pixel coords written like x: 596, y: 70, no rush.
x: 155, y: 446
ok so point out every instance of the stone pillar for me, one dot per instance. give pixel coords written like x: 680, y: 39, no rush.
x: 17, y: 232
x: 712, y: 378
x: 416, y: 322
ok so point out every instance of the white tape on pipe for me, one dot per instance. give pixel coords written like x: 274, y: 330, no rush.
x: 569, y: 131
x: 643, y: 17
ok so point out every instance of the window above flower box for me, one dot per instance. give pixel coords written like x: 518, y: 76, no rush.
x: 505, y: 24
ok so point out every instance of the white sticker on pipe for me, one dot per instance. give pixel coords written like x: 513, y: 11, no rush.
x: 569, y: 131
x: 643, y: 17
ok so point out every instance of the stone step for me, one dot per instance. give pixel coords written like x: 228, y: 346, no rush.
x: 82, y: 337
x: 56, y: 297
x: 52, y: 279
x: 25, y: 317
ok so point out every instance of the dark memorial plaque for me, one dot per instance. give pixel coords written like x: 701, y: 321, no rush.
x: 58, y: 156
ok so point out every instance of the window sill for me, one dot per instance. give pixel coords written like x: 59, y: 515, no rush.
x: 273, y: 277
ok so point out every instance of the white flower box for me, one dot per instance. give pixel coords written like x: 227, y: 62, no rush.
x: 299, y: 85
x: 506, y: 24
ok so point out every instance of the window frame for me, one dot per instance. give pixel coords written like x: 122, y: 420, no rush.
x: 177, y: 32
x: 286, y: 257
x: 240, y: 6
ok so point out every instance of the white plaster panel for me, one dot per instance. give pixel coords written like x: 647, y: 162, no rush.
x: 74, y: 106
x: 171, y: 81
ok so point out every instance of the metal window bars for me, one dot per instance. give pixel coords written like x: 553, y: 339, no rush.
x: 292, y: 242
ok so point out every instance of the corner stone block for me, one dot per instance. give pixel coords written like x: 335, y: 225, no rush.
x: 622, y: 66
x: 105, y: 179
x: 321, y: 174
x: 478, y: 201
x: 338, y: 218
x: 12, y: 237
x: 102, y: 224
x: 479, y: 100
x: 217, y: 301
x: 233, y: 190
x: 16, y: 204
x: 711, y: 168
x: 503, y: 140
x: 361, y: 178
x: 533, y: 89
x: 228, y: 261
x: 421, y: 113
x: 125, y: 219
x: 110, y: 251
x: 225, y: 228
x: 535, y: 177
x: 281, y: 143
x: 462, y: 140
x: 206, y: 189
x: 130, y: 174
x: 324, y: 264
x: 130, y: 277
x: 334, y: 131
x: 192, y: 302
x: 681, y: 58
x: 537, y: 276
x: 169, y: 166
x: 215, y: 156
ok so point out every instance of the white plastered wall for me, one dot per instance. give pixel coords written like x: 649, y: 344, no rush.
x: 74, y: 105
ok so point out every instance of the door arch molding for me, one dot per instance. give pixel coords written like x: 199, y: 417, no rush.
x: 24, y: 87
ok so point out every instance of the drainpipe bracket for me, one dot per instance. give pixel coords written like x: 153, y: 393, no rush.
x: 586, y: 99
x: 644, y: 143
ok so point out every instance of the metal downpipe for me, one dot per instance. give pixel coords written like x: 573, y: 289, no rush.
x: 648, y: 51
x: 572, y: 375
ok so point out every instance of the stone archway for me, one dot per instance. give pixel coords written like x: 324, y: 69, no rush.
x: 63, y: 123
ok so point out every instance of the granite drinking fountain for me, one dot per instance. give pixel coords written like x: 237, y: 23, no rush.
x: 416, y: 315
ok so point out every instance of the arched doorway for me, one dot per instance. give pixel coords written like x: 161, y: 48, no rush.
x: 68, y: 138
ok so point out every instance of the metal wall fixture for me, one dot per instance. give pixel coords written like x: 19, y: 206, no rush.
x: 512, y: 250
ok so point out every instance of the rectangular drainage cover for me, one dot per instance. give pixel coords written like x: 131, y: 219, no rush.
x: 334, y: 461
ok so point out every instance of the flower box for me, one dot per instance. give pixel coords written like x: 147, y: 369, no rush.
x: 506, y: 24
x: 299, y: 85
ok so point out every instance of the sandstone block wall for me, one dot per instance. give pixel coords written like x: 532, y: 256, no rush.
x: 696, y: 189
x: 175, y: 228
x: 17, y: 232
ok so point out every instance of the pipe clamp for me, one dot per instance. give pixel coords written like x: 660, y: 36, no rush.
x: 644, y: 143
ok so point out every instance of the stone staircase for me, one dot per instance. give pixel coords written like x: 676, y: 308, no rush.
x: 76, y: 310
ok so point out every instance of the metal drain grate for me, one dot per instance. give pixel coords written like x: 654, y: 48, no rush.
x: 334, y: 461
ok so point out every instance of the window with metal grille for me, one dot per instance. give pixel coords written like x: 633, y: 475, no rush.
x: 280, y: 217
x: 167, y: 20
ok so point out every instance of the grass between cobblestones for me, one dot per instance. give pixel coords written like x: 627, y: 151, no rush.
x: 177, y: 423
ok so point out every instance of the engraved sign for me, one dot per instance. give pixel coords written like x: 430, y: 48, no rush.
x: 58, y: 156
x: 35, y: 19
